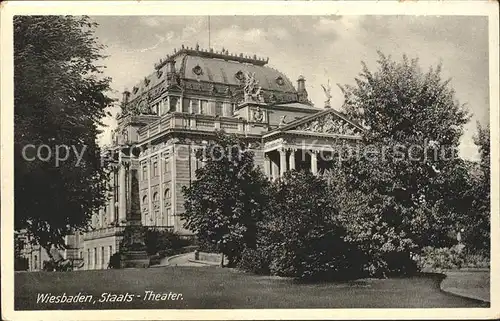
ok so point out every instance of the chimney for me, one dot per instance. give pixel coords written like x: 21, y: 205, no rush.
x: 301, y: 89
x: 171, y: 66
x: 125, y: 96
x: 301, y: 84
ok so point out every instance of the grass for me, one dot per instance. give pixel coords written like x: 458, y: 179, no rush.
x: 217, y: 288
x: 472, y: 284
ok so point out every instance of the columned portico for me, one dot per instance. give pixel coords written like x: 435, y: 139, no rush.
x: 278, y: 161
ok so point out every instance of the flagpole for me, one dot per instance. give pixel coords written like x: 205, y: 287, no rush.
x: 208, y: 32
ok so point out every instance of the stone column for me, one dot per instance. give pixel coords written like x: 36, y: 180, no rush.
x: 282, y: 161
x: 314, y: 162
x: 274, y: 169
x: 116, y: 194
x: 101, y: 218
x: 150, y: 195
x: 173, y: 175
x: 267, y: 166
x: 291, y: 159
x: 161, y: 161
x: 122, y: 207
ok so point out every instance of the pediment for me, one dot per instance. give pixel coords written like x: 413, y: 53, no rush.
x: 325, y: 122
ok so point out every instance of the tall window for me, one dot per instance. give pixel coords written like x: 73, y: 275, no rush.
x: 204, y: 107
x: 157, y: 218
x: 145, y: 203
x: 95, y: 257
x: 110, y: 252
x: 218, y: 108
x: 88, y: 259
x: 35, y: 262
x: 144, y: 172
x: 156, y: 200
x: 155, y: 109
x: 195, y: 106
x: 167, y: 214
x: 173, y: 103
x: 166, y: 166
x: 102, y: 256
x: 155, y: 168
x: 185, y: 105
x: 166, y: 197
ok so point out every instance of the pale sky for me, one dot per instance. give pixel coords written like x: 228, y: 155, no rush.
x: 320, y: 48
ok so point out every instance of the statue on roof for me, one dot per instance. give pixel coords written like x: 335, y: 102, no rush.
x: 252, y: 90
x: 328, y: 94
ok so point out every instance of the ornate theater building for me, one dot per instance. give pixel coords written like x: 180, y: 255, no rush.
x: 177, y: 108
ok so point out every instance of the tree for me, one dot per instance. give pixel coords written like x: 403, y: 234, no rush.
x: 59, y: 101
x: 477, y: 223
x: 302, y: 231
x: 378, y: 244
x: 225, y: 202
x: 410, y: 160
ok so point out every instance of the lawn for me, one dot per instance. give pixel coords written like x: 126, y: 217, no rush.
x: 217, y: 288
x: 472, y: 284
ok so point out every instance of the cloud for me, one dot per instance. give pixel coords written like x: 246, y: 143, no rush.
x: 150, y: 21
x: 345, y: 26
x: 161, y: 39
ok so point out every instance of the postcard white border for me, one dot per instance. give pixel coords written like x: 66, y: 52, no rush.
x: 9, y: 9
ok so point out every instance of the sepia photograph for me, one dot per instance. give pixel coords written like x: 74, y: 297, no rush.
x: 179, y: 161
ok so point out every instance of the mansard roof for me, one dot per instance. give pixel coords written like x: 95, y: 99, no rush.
x: 216, y: 67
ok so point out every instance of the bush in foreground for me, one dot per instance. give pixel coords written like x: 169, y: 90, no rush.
x: 455, y: 257
x: 255, y: 260
x: 301, y: 230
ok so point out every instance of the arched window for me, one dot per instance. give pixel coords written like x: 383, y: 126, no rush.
x: 167, y: 197
x: 145, y: 204
x: 155, y: 197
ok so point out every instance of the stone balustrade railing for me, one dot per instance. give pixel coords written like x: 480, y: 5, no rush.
x: 103, y: 232
x: 199, y: 122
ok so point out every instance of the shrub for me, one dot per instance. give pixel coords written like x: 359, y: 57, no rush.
x: 61, y: 266
x: 255, y: 260
x: 20, y: 264
x: 225, y: 202
x: 302, y: 231
x: 115, y: 261
x: 378, y: 242
x: 49, y: 265
x: 435, y: 259
x: 163, y: 242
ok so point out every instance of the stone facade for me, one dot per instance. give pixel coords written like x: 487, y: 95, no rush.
x: 177, y: 108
